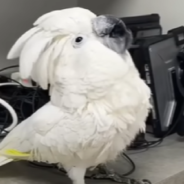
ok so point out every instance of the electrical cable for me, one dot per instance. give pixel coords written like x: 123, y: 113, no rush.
x: 8, y: 84
x: 13, y: 114
x: 24, y: 101
x: 17, y: 99
x: 11, y: 80
x: 10, y: 110
x: 131, y: 163
x: 9, y: 67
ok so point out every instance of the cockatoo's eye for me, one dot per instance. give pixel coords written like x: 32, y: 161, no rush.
x: 78, y: 41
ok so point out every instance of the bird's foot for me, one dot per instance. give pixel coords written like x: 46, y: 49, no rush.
x: 102, y: 172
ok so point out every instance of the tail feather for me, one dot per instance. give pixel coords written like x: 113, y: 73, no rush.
x: 4, y: 160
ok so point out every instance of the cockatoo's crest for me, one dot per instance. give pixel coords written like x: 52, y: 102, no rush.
x: 38, y: 42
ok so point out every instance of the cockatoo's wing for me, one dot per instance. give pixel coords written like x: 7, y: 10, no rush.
x: 27, y: 137
x: 30, y: 46
x: 53, y: 136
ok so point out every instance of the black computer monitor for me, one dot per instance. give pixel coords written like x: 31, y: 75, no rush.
x: 155, y: 58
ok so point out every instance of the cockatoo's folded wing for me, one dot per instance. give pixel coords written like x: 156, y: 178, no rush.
x: 33, y: 134
x: 53, y: 136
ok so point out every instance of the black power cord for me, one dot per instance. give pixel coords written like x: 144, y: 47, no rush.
x: 9, y: 67
x: 131, y: 163
x: 25, y: 101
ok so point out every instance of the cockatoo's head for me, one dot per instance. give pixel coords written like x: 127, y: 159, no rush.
x: 80, y: 57
x: 85, y: 69
x: 112, y: 32
x: 70, y: 37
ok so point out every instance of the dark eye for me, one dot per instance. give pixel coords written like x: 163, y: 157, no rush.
x: 79, y: 39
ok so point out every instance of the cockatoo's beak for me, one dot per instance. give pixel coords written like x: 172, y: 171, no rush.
x: 113, y: 32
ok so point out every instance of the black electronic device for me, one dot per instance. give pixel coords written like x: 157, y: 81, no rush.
x: 180, y: 74
x: 178, y: 34
x: 144, y: 26
x: 155, y: 58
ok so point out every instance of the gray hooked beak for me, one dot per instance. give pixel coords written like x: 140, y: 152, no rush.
x: 113, y: 33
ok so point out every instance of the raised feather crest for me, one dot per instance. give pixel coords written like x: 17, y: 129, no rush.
x: 34, y: 46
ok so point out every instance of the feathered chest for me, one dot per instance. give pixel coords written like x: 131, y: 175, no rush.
x: 100, y: 112
x: 102, y: 92
x: 120, y: 107
x: 94, y: 127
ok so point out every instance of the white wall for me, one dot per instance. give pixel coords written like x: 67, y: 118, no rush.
x: 171, y: 11
x: 17, y: 16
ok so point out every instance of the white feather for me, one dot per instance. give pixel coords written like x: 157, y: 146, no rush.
x: 31, y: 53
x: 42, y: 77
x: 57, y: 50
x: 54, y: 58
x: 19, y: 44
x: 68, y: 11
x: 47, y: 62
x: 45, y: 16
x: 64, y: 20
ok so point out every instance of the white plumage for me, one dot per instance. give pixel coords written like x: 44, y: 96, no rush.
x: 98, y: 101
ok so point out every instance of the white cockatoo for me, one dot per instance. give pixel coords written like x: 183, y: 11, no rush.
x: 98, y: 102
